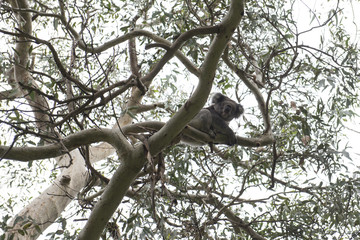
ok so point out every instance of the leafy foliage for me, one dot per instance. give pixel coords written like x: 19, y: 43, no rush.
x: 305, y: 185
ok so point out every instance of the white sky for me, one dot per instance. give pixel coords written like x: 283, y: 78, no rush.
x: 351, y: 21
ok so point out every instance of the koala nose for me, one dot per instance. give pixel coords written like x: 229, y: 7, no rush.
x: 227, y: 108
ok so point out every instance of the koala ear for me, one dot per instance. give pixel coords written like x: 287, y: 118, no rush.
x: 218, y: 97
x: 239, y: 110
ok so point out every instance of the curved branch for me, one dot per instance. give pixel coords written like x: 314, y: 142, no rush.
x: 115, y: 138
x: 66, y: 23
x: 254, y: 89
x: 236, y: 222
x: 27, y: 10
x: 96, y: 135
x: 124, y: 85
x: 57, y: 60
x: 175, y: 46
x: 137, y: 33
x: 207, y: 72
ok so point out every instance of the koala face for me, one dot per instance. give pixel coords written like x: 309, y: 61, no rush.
x: 227, y: 108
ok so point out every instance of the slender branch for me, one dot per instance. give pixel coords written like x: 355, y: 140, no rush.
x: 234, y: 219
x: 254, y: 89
x: 57, y: 60
x: 136, y: 33
x: 66, y: 23
x: 277, y: 180
x: 27, y: 10
x: 175, y: 46
x: 100, y: 94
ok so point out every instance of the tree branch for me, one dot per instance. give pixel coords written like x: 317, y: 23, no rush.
x: 136, y: 33
x: 96, y: 135
x: 187, y: 112
x: 254, y: 89
x: 69, y: 143
x: 57, y: 60
x: 234, y: 219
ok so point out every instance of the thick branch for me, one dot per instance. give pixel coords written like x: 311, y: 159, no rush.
x: 67, y: 144
x: 177, y: 123
x: 96, y: 135
x: 15, y: 92
x: 112, y: 195
x: 21, y: 74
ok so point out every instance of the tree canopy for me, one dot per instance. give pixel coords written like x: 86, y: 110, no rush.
x: 95, y: 100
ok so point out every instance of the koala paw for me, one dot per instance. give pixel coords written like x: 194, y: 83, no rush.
x: 232, y: 140
x: 212, y: 134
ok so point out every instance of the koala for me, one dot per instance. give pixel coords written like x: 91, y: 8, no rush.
x: 215, y: 119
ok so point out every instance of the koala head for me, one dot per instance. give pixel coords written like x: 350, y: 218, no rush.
x: 227, y: 108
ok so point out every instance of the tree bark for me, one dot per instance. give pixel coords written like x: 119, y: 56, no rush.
x: 131, y: 166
